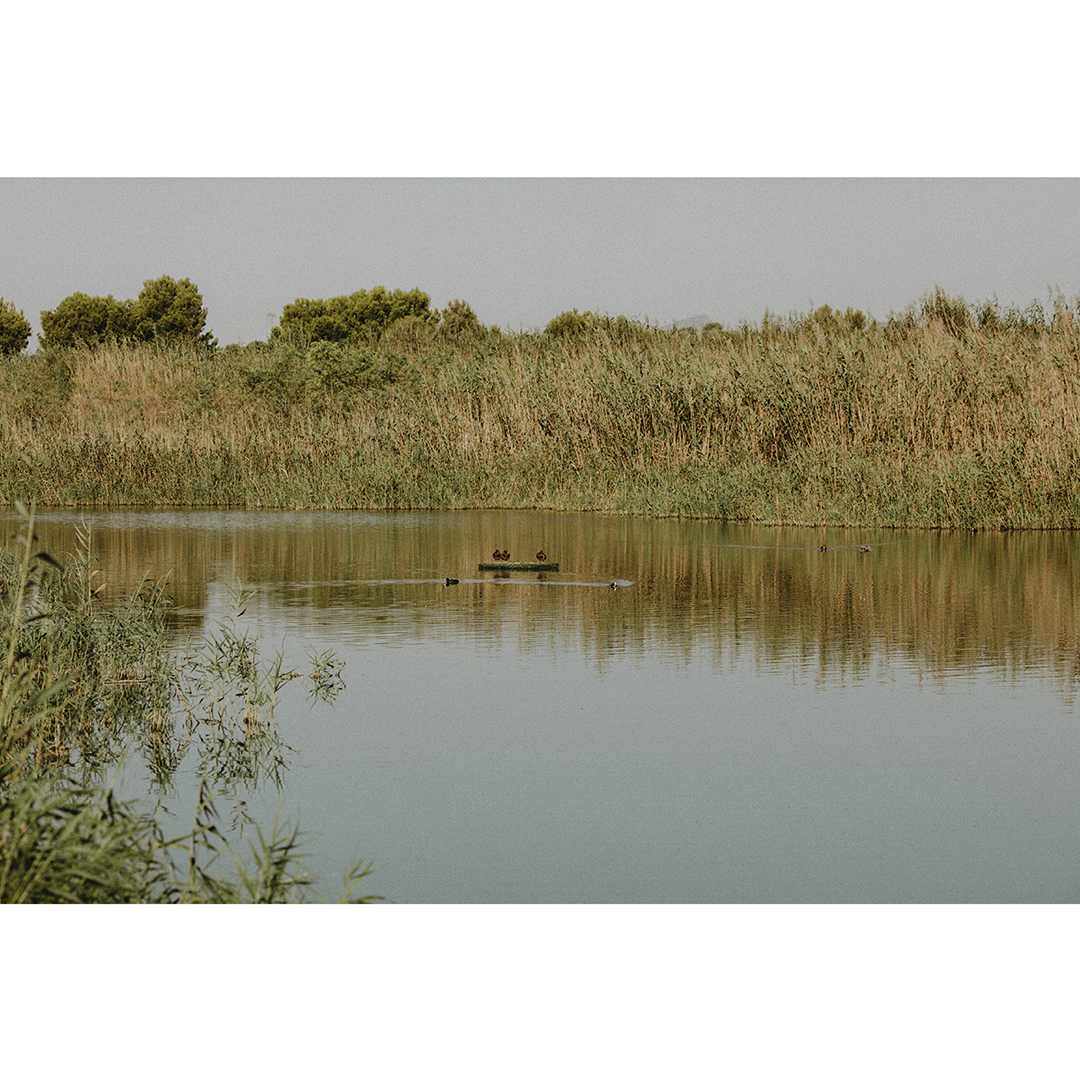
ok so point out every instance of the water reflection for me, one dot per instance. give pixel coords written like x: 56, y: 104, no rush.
x: 748, y: 718
x: 942, y: 603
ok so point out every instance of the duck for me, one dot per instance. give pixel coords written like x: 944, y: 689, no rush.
x: 452, y: 581
x: 613, y: 585
x: 863, y: 548
x: 505, y: 556
x: 824, y: 548
x: 540, y: 557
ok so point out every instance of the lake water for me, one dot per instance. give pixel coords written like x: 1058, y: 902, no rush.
x: 744, y: 718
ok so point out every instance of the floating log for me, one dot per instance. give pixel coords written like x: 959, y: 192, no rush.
x: 528, y: 567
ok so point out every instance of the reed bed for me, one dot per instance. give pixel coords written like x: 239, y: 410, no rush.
x: 946, y: 416
x: 81, y: 685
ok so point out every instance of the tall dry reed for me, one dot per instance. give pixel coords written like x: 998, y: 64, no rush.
x: 933, y: 419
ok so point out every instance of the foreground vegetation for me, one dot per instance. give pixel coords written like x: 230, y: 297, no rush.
x: 81, y: 687
x: 946, y: 415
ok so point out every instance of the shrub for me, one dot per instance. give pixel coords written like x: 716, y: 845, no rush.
x: 14, y: 329
x: 169, y: 311
x: 291, y: 374
x: 569, y: 324
x: 620, y: 330
x: 353, y: 318
x: 277, y: 376
x: 85, y: 320
x: 459, y: 321
x: 828, y: 319
x: 331, y: 370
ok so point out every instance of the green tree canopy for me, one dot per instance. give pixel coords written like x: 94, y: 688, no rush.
x: 85, y: 320
x: 355, y: 317
x: 169, y: 311
x: 574, y: 324
x: 166, y: 311
x: 14, y: 329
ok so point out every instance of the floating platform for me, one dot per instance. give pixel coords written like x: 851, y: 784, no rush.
x: 527, y: 567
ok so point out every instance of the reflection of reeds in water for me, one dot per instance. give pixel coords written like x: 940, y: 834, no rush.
x: 944, y: 602
x: 928, y: 421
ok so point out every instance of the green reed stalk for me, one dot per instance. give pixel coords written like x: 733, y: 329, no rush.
x: 80, y: 684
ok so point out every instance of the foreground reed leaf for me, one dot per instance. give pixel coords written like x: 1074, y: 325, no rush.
x: 79, y: 683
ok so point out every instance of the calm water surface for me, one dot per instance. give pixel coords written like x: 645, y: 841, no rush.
x: 745, y: 718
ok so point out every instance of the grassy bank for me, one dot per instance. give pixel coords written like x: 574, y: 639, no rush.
x: 948, y: 415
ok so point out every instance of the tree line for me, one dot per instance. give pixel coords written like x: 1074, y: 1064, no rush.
x: 168, y: 311
x: 165, y: 311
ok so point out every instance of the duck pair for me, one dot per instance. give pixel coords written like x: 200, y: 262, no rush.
x: 504, y: 556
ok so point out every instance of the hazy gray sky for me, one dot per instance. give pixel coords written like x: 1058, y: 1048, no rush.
x: 522, y: 250
x: 482, y: 89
